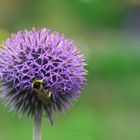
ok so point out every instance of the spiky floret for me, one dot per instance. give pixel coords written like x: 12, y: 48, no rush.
x: 40, y: 71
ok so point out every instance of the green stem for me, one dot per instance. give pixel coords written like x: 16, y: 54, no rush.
x: 37, y: 127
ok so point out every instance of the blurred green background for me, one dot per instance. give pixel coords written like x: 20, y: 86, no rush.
x: 108, y: 34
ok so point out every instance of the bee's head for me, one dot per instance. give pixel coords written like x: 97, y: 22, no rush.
x: 37, y: 84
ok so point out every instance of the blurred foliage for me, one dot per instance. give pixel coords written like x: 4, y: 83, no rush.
x: 3, y: 35
x: 30, y: 13
x: 108, y: 108
x: 100, y: 12
x: 117, y: 60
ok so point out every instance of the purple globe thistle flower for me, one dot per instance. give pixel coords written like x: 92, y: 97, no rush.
x: 41, y: 71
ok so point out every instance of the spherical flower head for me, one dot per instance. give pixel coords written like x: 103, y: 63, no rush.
x: 41, y: 71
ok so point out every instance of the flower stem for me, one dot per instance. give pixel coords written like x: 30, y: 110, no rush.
x: 37, y: 127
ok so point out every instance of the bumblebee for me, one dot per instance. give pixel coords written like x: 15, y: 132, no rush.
x: 43, y: 94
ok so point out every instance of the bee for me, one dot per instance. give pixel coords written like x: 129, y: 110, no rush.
x: 43, y: 94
